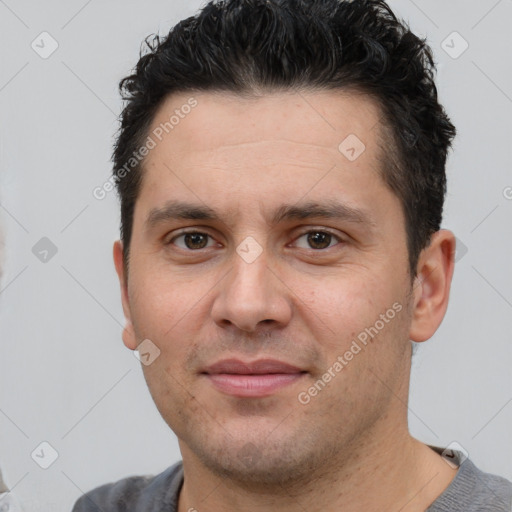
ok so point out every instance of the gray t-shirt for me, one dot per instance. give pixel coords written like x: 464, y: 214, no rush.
x: 470, y: 491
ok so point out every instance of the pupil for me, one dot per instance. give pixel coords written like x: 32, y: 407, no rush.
x: 195, y: 240
x: 319, y: 240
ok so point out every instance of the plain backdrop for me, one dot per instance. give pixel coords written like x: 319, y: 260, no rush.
x: 67, y: 380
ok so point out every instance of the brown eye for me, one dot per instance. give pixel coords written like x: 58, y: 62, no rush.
x: 192, y: 241
x: 196, y: 240
x: 317, y: 240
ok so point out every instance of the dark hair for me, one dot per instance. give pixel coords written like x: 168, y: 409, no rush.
x: 252, y: 46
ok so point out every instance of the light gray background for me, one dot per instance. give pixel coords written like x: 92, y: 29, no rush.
x: 65, y: 376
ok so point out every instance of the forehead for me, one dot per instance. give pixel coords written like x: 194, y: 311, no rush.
x: 216, y: 148
x: 220, y: 120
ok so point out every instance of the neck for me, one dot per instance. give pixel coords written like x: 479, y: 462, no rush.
x: 388, y: 470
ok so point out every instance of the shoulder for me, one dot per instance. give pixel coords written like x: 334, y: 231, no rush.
x: 473, y: 490
x: 136, y: 493
x: 492, y: 492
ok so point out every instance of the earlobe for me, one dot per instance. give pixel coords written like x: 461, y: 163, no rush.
x: 431, y: 289
x: 129, y: 338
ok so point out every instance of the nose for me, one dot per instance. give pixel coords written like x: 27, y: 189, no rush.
x: 252, y: 296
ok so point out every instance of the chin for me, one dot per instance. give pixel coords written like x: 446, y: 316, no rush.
x: 259, y: 462
x: 249, y: 472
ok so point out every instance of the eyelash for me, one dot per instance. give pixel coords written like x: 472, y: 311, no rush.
x: 194, y: 232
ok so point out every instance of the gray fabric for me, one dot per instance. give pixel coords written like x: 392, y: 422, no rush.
x: 470, y: 491
x: 136, y: 494
x: 473, y: 490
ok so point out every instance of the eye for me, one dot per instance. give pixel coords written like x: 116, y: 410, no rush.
x: 192, y: 240
x: 317, y: 240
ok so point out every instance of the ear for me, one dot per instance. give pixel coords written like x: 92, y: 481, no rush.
x: 129, y: 338
x: 431, y: 288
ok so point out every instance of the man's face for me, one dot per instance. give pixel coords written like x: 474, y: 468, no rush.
x: 270, y: 279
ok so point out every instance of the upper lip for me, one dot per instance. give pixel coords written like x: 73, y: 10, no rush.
x: 259, y: 367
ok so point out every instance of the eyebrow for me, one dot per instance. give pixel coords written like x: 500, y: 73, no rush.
x: 180, y: 210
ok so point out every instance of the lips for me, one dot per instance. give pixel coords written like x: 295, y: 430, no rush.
x: 258, y: 378
x: 260, y: 367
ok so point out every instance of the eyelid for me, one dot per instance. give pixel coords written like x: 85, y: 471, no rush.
x: 321, y: 229
x: 304, y: 231
x: 338, y: 237
x: 185, y: 231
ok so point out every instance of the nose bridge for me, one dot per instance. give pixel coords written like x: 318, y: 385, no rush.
x: 251, y: 293
x: 250, y: 273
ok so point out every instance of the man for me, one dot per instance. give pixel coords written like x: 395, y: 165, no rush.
x: 281, y: 169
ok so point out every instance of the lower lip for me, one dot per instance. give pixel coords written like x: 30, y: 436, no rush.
x: 252, y: 385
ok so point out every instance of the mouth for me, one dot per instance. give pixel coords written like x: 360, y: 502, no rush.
x: 252, y: 379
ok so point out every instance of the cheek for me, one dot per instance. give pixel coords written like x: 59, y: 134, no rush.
x: 164, y: 304
x: 338, y: 302
x: 171, y: 312
x: 342, y: 310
